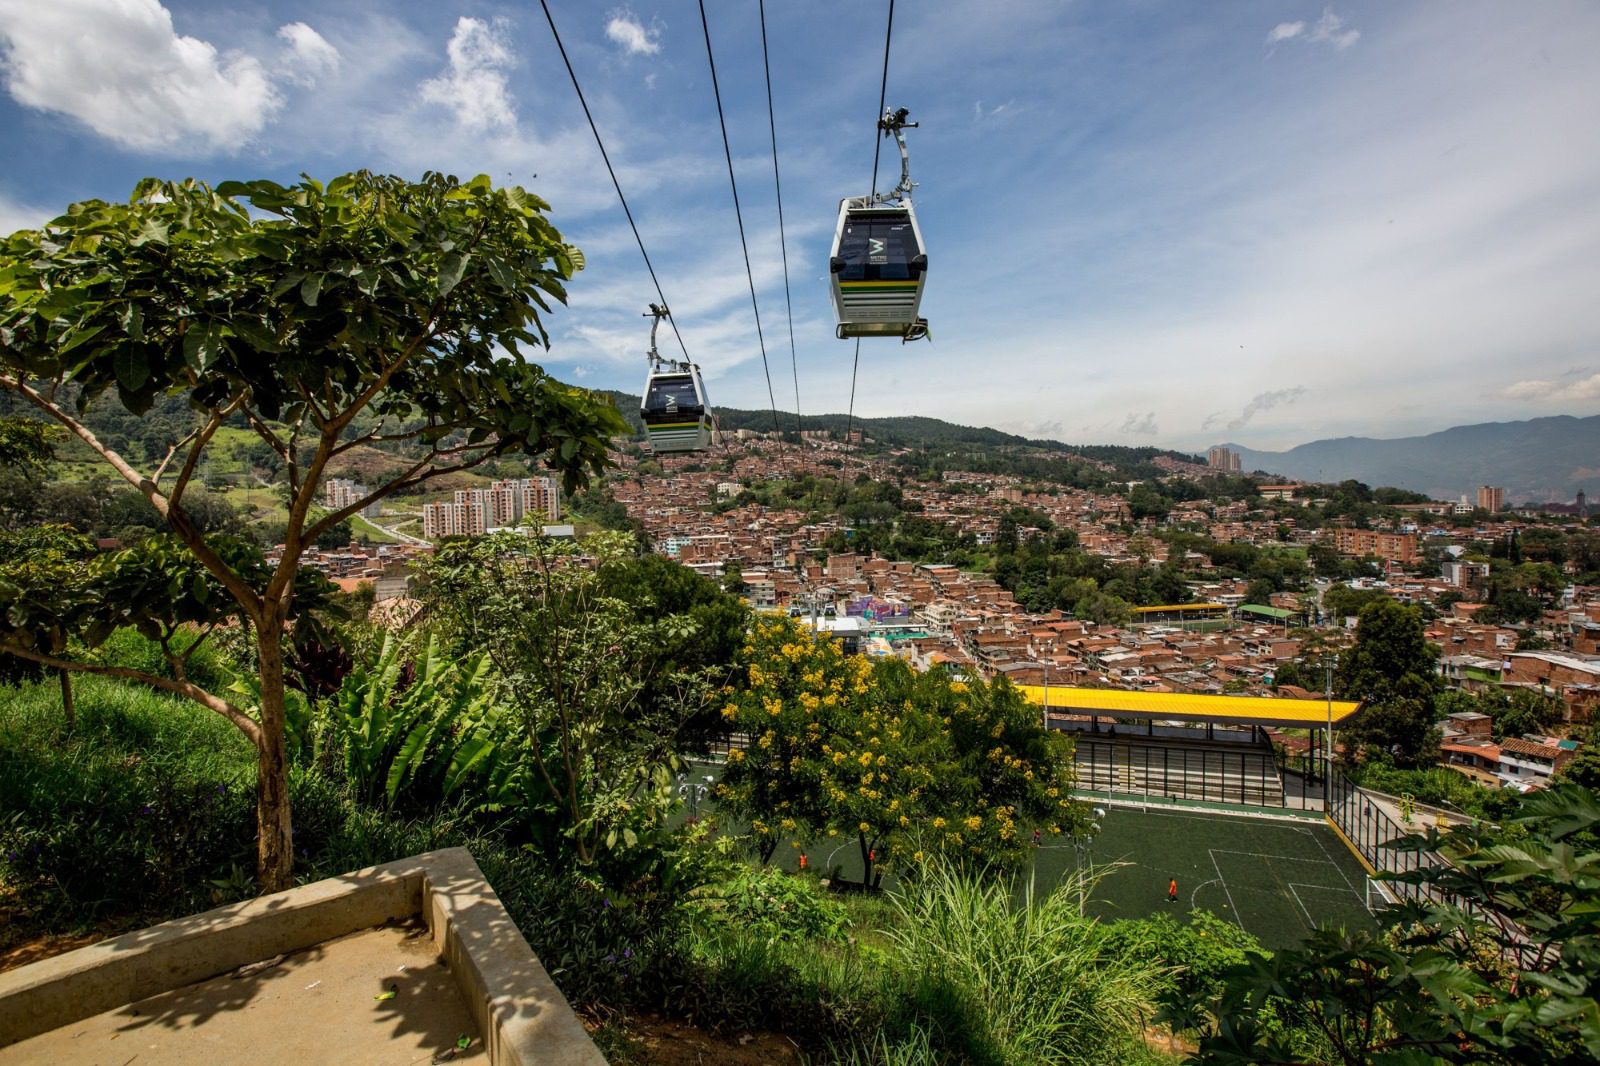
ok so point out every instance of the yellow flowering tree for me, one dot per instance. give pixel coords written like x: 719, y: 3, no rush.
x: 908, y: 764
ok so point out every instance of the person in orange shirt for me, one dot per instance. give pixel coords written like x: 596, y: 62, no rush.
x: 1172, y: 890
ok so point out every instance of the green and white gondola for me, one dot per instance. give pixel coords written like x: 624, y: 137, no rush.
x: 879, y: 265
x: 676, y: 413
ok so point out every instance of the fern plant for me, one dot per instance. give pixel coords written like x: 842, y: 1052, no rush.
x: 424, y: 723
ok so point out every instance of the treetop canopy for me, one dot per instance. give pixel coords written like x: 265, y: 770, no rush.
x: 283, y: 301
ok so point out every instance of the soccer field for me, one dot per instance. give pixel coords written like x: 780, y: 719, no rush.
x: 1276, y: 879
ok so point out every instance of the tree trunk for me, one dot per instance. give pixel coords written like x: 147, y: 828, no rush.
x: 274, y: 833
x: 866, y: 860
x: 66, y: 701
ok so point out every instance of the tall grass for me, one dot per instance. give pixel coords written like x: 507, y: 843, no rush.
x: 1003, y: 983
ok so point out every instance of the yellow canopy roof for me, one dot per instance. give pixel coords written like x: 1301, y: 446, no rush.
x: 1181, y: 607
x: 1238, y: 710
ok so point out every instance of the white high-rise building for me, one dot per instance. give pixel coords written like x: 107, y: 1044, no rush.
x: 474, y: 512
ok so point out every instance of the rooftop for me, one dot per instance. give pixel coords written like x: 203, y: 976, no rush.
x: 1241, y: 710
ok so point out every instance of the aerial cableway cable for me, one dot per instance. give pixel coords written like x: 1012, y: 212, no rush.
x: 738, y: 215
x: 777, y: 184
x: 610, y: 170
x: 877, y: 146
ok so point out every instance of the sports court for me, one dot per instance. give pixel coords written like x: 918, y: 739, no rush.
x: 1276, y: 878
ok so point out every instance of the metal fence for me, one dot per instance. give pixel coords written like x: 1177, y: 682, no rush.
x: 1369, y: 828
x: 1221, y: 774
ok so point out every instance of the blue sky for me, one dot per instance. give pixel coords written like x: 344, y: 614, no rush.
x: 1148, y: 222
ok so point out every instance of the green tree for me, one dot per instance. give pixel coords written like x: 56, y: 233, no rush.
x: 1522, y: 712
x: 597, y: 690
x: 1259, y: 591
x: 27, y: 445
x: 335, y: 536
x: 909, y: 765
x: 1584, y: 767
x: 1390, y: 669
x: 297, y: 310
x: 1005, y: 540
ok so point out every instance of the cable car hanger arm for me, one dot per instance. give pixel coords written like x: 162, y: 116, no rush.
x: 656, y: 313
x: 893, y: 123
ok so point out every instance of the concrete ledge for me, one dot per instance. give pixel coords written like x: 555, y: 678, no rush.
x: 522, y: 1015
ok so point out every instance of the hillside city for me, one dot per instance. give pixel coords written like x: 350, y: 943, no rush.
x: 1217, y: 627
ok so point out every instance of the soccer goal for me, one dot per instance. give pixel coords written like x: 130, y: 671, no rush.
x: 1380, y: 895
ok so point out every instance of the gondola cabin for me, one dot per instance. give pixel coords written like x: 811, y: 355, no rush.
x: 879, y: 265
x: 676, y: 414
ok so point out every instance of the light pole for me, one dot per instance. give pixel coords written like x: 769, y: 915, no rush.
x: 1327, y: 756
x: 692, y: 792
x: 1046, y: 666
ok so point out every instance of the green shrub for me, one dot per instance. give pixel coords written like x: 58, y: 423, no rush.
x: 768, y: 902
x: 1189, y: 956
x: 1439, y: 786
x: 818, y: 993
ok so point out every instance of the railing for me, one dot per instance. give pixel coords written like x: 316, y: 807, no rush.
x: 1369, y: 828
x: 1215, y: 774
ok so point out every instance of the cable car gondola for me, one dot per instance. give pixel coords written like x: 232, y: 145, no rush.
x: 879, y: 263
x: 676, y: 413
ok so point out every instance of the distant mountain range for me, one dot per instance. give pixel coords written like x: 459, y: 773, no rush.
x: 1540, y: 460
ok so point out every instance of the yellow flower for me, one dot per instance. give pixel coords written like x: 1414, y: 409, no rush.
x: 866, y: 758
x: 904, y: 821
x: 917, y: 855
x: 938, y: 823
x: 838, y: 757
x: 974, y: 822
x: 865, y: 828
x: 735, y: 755
x: 729, y: 711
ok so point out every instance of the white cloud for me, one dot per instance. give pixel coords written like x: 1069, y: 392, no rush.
x: 119, y: 67
x: 632, y: 35
x: 1265, y: 401
x: 1284, y: 31
x: 474, y: 86
x: 1581, y: 390
x: 15, y: 216
x: 1328, y: 30
x: 310, y: 57
x: 1141, y: 425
